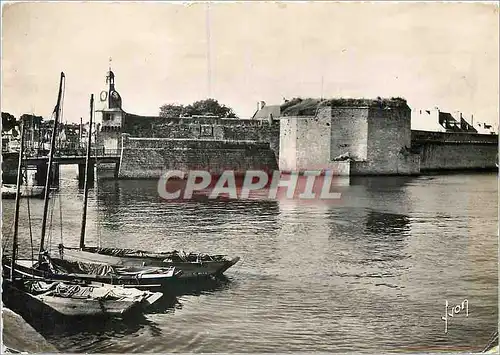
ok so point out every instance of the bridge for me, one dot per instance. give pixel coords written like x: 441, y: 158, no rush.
x: 73, y: 159
x: 40, y: 158
x: 70, y: 156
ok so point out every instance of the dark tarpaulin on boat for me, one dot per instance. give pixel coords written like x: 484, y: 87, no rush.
x: 77, y: 267
x: 74, y: 291
x: 62, y: 266
x: 59, y: 289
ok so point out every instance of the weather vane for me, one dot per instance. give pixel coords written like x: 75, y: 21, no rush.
x: 110, y: 60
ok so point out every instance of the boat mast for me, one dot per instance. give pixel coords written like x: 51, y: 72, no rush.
x: 87, y: 173
x: 18, y: 200
x: 49, y: 167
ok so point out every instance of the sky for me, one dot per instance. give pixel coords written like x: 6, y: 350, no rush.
x: 432, y: 54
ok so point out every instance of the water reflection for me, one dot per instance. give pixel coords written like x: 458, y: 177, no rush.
x: 381, y: 182
x: 197, y: 287
x: 388, y: 224
x: 369, y: 273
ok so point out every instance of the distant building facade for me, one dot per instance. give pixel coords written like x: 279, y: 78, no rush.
x: 435, y: 120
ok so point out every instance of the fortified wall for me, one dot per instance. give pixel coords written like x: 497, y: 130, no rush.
x: 148, y: 158
x: 345, y: 136
x: 455, y: 151
x: 350, y: 137
x: 216, y: 129
x: 150, y: 145
x: 305, y: 144
x: 388, y: 142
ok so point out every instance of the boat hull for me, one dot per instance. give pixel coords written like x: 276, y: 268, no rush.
x: 189, y: 269
x: 71, y: 307
x: 24, y: 269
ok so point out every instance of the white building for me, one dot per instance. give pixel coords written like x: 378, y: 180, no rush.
x: 434, y: 120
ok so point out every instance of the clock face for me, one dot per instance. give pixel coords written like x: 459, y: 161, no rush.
x: 115, y: 95
x: 104, y: 95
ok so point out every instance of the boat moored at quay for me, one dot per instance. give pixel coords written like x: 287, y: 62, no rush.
x: 67, y: 297
x: 190, y: 265
x: 127, y: 269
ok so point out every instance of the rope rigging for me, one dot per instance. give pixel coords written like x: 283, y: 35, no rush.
x: 29, y: 217
x: 52, y: 208
x: 57, y: 143
x: 60, y: 216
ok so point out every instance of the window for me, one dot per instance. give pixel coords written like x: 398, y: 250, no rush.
x: 206, y: 131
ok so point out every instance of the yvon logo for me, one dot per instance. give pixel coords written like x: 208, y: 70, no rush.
x: 256, y: 184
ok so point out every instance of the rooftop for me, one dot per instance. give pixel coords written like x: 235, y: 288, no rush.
x: 308, y: 107
x: 267, y: 110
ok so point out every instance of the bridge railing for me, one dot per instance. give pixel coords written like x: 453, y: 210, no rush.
x: 79, y: 152
x: 105, y: 152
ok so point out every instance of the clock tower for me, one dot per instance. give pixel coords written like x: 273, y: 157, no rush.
x: 109, y: 116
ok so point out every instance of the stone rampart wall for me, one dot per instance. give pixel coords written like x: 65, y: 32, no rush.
x: 149, y: 158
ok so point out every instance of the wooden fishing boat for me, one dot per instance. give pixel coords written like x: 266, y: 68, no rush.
x: 192, y: 265
x: 72, y: 299
x: 64, y: 298
x: 151, y: 278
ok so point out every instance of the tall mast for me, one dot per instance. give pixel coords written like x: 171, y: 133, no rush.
x: 80, y: 134
x: 87, y: 173
x: 18, y: 200
x: 49, y: 168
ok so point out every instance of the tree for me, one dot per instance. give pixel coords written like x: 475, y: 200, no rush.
x: 171, y: 110
x: 8, y: 122
x: 202, y: 107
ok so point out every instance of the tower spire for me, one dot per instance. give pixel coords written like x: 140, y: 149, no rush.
x: 110, y: 78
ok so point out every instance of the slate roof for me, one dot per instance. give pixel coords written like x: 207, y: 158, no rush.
x: 264, y: 113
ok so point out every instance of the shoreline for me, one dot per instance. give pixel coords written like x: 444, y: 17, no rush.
x: 19, y: 336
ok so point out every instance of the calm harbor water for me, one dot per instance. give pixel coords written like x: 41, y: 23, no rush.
x: 369, y: 273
